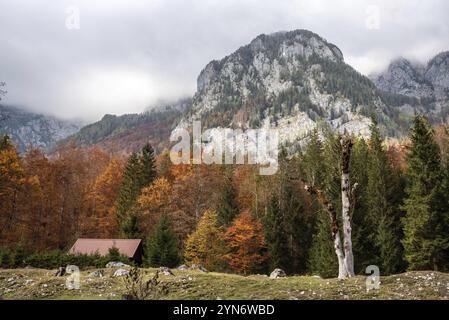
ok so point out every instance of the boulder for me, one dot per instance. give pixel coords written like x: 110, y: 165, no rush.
x: 116, y: 264
x: 60, y: 272
x: 97, y: 274
x: 183, y: 267
x: 166, y: 271
x: 120, y: 273
x: 277, y: 273
x: 198, y: 267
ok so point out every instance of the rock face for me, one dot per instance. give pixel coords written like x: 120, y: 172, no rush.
x: 277, y: 273
x: 429, y: 83
x: 26, y: 128
x: 403, y: 77
x: 290, y: 81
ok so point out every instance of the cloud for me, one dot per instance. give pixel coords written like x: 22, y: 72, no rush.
x: 129, y: 54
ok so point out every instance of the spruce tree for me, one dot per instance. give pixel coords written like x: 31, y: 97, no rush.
x: 130, y: 188
x: 425, y: 240
x: 383, y: 214
x: 148, y: 166
x: 130, y: 226
x: 322, y: 253
x: 162, y: 245
x: 275, y: 235
x: 227, y: 208
x: 363, y: 230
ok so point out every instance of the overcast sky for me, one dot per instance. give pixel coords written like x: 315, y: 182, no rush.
x: 128, y: 54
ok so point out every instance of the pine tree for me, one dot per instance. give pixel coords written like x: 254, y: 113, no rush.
x: 287, y: 228
x: 324, y: 169
x: 162, y: 245
x: 363, y: 230
x: 148, y: 166
x: 227, y: 208
x: 130, y: 227
x: 275, y: 235
x: 205, y: 246
x: 130, y: 188
x: 425, y: 240
x: 382, y: 212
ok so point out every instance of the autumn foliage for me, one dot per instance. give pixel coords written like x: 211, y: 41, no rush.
x: 246, y: 243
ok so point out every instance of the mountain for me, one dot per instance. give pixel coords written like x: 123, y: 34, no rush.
x: 429, y: 83
x: 293, y: 81
x: 128, y: 133
x: 27, y: 128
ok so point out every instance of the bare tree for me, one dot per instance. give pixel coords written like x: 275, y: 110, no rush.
x: 344, y: 254
x: 2, y: 92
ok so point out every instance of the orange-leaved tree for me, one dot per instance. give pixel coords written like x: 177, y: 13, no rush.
x: 246, y: 242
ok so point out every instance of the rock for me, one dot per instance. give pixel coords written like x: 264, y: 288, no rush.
x: 120, y: 273
x: 183, y: 267
x: 166, y: 271
x: 198, y: 267
x: 60, y: 272
x: 277, y: 273
x: 116, y: 264
x: 97, y: 274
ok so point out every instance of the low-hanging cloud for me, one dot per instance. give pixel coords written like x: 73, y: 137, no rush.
x: 129, y: 54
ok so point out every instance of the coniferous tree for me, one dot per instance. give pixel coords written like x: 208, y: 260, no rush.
x: 130, y: 189
x: 382, y: 213
x: 162, y: 246
x: 363, y: 245
x: 425, y: 240
x: 227, y: 208
x: 130, y: 226
x: 275, y: 235
x: 325, y: 165
x: 148, y: 166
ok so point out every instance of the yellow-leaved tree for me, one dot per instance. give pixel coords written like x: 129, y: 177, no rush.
x: 205, y: 245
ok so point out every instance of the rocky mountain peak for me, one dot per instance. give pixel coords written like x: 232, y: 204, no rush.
x: 270, y: 49
x: 438, y: 70
x: 403, y: 77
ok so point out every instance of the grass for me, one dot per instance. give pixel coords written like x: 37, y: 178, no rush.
x: 41, y: 284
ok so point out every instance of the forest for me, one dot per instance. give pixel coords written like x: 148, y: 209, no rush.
x: 230, y: 219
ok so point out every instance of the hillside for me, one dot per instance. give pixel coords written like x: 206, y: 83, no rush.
x: 128, y: 133
x: 27, y: 128
x: 41, y: 284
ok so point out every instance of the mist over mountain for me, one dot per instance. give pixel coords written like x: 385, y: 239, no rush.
x: 294, y: 81
x: 31, y: 129
x: 429, y: 83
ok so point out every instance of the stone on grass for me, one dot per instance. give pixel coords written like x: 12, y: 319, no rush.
x: 198, y: 267
x: 97, y: 274
x: 166, y: 271
x: 120, y: 273
x: 60, y: 272
x: 116, y: 264
x: 183, y: 267
x: 278, y: 273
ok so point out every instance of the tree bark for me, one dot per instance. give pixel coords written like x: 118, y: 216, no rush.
x: 346, y: 199
x: 327, y: 205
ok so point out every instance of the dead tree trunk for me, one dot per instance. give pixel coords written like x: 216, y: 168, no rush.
x: 342, y: 271
x: 344, y: 254
x: 347, y: 204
